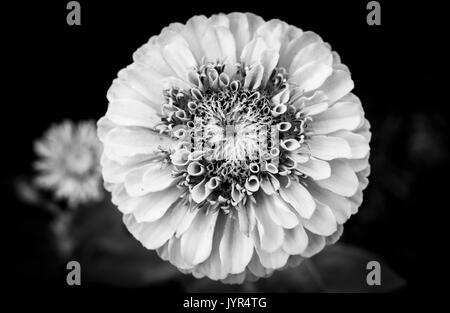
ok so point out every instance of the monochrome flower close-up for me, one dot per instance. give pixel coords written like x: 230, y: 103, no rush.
x: 232, y: 145
x: 68, y: 162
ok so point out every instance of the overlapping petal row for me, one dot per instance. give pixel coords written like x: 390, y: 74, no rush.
x: 234, y: 146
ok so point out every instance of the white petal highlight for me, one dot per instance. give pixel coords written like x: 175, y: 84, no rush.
x: 154, y: 205
x: 342, y: 115
x: 300, y: 199
x: 236, y: 249
x: 328, y: 148
x: 130, y: 142
x: 196, y: 242
x: 322, y: 222
x: 314, y: 168
x: 311, y: 76
x: 270, y: 234
x: 342, y: 181
x: 295, y: 240
x: 337, y: 85
x: 280, y: 212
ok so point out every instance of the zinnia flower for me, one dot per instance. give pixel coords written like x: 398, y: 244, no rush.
x: 69, y: 162
x: 234, y: 147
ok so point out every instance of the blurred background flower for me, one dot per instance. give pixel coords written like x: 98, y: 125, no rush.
x: 68, y: 162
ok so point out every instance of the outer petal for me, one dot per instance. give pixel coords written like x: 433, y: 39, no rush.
x: 218, y: 44
x: 180, y: 59
x: 271, y: 234
x: 340, y: 205
x: 151, y: 234
x: 328, y: 148
x: 342, y: 181
x: 236, y: 249
x: 314, y: 168
x: 316, y: 243
x: 315, y: 52
x: 143, y: 179
x: 311, y: 76
x: 196, y: 242
x: 146, y: 81
x: 300, y: 199
x: 337, y: 85
x: 322, y: 222
x: 152, y: 206
x: 214, y: 267
x: 295, y: 240
x: 132, y: 113
x: 359, y: 145
x: 130, y: 142
x: 342, y: 115
x: 280, y: 211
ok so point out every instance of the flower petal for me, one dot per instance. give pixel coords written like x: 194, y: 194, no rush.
x: 315, y: 52
x: 146, y: 81
x: 297, y: 45
x: 129, y: 142
x: 342, y: 181
x: 152, y: 206
x: 214, y: 267
x: 295, y: 240
x: 340, y: 205
x: 322, y: 222
x: 272, y: 260
x: 337, y: 85
x: 236, y: 249
x: 328, y: 148
x: 121, y: 90
x: 311, y: 76
x: 314, y: 168
x: 153, y: 235
x: 359, y: 145
x: 193, y: 32
x: 253, y: 52
x: 300, y: 199
x: 316, y: 243
x: 150, y: 55
x: 271, y: 235
x: 196, y: 242
x: 142, y: 180
x: 132, y: 113
x: 174, y: 253
x: 219, y: 45
x: 158, y: 177
x: 280, y: 212
x: 180, y: 59
x: 272, y: 33
x: 256, y: 268
x: 241, y: 30
x: 185, y: 222
x: 342, y: 115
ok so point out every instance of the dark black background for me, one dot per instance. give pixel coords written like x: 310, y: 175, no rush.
x: 55, y: 71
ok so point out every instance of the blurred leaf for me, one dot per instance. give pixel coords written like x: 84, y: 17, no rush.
x: 108, y: 254
x: 339, y: 268
x: 342, y: 268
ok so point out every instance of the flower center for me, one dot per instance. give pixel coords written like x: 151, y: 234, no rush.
x: 229, y: 132
x: 79, y: 161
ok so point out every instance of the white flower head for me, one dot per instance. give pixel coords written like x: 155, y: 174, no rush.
x: 69, y: 162
x: 234, y: 147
